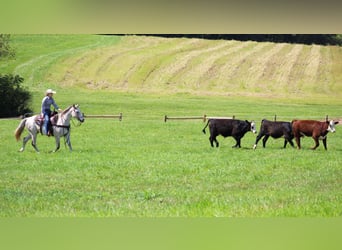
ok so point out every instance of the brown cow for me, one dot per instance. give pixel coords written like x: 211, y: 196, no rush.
x: 316, y: 129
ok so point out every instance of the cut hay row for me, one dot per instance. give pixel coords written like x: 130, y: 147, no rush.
x: 230, y: 70
x: 289, y: 61
x: 259, y: 66
x: 311, y: 70
x: 153, y: 64
x: 183, y: 63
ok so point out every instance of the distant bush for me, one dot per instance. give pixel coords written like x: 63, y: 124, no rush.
x: 14, y: 100
x: 5, y: 48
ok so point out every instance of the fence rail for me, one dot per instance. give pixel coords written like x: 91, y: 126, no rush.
x: 203, y: 118
x: 119, y: 116
x: 18, y: 117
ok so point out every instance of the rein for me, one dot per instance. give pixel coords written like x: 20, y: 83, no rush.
x: 72, y: 120
x: 61, y: 126
x: 76, y: 125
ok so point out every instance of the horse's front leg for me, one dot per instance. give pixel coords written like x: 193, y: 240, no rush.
x: 67, y: 139
x: 58, y: 144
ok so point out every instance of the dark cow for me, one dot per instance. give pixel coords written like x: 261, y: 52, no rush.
x: 316, y: 129
x: 275, y: 130
x: 229, y: 127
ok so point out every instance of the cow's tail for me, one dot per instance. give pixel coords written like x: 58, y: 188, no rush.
x: 20, y: 129
x: 203, y: 130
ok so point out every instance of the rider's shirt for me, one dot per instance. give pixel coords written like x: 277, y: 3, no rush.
x: 47, y: 102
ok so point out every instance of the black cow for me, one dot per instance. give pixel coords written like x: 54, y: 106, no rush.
x: 275, y: 130
x: 229, y: 127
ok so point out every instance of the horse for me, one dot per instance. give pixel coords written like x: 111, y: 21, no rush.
x: 60, y: 129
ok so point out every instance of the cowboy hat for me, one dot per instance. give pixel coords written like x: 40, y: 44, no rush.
x: 50, y: 91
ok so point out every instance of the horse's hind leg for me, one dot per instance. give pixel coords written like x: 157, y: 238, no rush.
x: 25, y: 140
x: 34, y: 140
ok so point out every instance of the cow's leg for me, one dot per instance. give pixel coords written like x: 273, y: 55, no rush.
x: 289, y: 139
x: 217, y: 143
x: 238, y: 142
x: 265, y: 140
x: 211, y: 141
x: 285, y: 143
x: 325, y: 143
x: 298, y: 141
x: 257, y: 140
x: 316, y: 142
x: 213, y: 134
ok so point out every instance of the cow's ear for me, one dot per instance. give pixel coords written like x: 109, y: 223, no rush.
x: 337, y: 122
x: 248, y: 122
x: 327, y: 122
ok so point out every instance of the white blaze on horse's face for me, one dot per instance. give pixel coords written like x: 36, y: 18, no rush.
x: 331, y: 127
x: 78, y: 114
x: 253, y: 127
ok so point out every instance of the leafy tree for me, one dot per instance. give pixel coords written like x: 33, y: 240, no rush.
x: 14, y: 100
x: 5, y: 48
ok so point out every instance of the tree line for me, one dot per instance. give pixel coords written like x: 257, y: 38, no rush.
x: 321, y: 39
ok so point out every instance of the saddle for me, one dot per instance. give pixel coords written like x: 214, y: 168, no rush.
x: 52, y: 122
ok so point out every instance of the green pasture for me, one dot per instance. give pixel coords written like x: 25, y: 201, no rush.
x: 144, y: 167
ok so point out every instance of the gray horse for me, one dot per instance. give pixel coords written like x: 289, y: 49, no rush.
x: 60, y: 129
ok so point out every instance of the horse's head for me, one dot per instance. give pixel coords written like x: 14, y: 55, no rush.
x: 76, y: 113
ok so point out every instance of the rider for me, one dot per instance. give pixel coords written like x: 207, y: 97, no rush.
x: 46, y: 112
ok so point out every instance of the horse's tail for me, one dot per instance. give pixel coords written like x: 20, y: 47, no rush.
x: 20, y: 129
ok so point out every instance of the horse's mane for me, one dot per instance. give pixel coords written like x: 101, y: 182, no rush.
x: 67, y: 109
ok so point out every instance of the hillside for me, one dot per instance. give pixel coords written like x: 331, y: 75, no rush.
x: 198, y: 66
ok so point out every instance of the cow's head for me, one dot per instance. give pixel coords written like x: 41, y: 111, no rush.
x: 253, y: 126
x: 331, y: 126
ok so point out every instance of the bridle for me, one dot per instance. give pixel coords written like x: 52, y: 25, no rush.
x: 77, y: 111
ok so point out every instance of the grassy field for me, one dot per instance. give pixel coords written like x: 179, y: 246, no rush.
x: 144, y: 167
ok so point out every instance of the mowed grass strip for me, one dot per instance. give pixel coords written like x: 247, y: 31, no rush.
x: 197, y: 66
